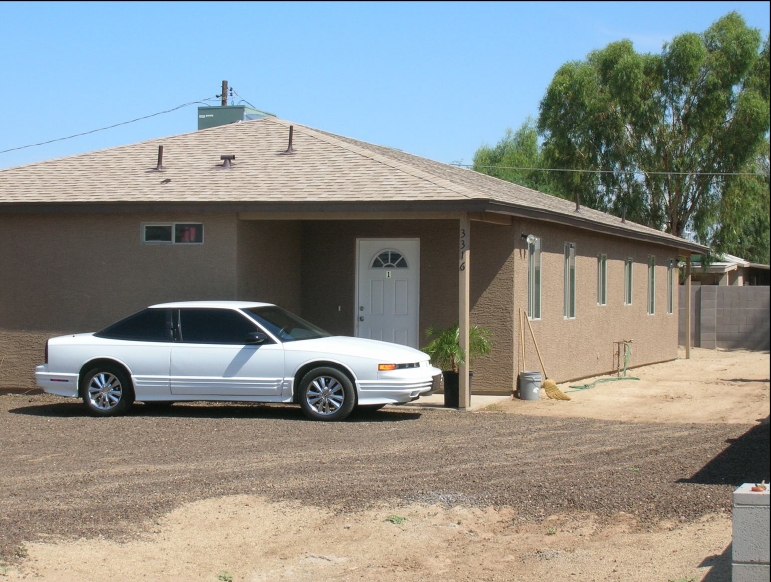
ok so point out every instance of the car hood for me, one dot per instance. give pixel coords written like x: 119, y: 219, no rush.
x: 366, y: 348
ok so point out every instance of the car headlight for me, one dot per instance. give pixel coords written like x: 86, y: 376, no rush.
x: 389, y: 367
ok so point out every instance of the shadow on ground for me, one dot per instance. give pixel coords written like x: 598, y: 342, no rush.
x: 204, y: 410
x: 745, y: 460
x: 719, y: 565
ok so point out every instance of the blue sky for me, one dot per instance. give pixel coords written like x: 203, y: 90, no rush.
x: 433, y: 79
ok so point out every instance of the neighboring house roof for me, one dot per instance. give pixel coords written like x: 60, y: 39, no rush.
x: 326, y: 172
x: 728, y: 263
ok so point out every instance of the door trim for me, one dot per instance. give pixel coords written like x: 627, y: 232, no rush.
x: 386, y: 242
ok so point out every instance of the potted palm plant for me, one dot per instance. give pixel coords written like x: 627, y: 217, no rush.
x: 446, y: 353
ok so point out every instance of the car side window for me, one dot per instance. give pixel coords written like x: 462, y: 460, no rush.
x: 149, y: 325
x: 214, y: 326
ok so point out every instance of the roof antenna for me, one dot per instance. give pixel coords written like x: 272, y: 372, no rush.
x: 289, y: 149
x: 159, y: 167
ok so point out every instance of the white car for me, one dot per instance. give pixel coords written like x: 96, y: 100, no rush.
x: 233, y: 351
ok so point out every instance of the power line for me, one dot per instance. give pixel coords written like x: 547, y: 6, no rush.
x: 32, y: 145
x: 641, y: 172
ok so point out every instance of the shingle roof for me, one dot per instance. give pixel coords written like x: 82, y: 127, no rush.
x: 325, y: 168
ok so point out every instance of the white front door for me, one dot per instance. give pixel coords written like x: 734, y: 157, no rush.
x: 388, y: 287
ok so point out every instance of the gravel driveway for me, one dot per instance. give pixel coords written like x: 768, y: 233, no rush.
x: 64, y: 473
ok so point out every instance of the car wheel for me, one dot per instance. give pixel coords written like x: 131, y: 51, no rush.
x: 107, y: 391
x: 326, y: 394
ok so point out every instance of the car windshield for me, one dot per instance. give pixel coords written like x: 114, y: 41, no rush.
x: 284, y: 325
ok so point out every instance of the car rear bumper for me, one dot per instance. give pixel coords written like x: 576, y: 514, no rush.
x: 59, y: 384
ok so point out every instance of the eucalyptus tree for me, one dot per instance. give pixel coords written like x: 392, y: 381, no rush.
x: 516, y: 158
x: 660, y: 135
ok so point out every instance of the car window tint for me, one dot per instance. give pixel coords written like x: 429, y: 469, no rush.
x: 214, y: 326
x: 284, y: 325
x: 149, y: 325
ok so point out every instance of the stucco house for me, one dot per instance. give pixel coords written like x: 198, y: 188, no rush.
x: 729, y: 271
x: 357, y: 238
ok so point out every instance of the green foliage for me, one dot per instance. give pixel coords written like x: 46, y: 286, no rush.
x: 512, y: 157
x: 445, y: 350
x: 224, y: 576
x: 396, y: 519
x: 660, y: 126
x: 744, y: 230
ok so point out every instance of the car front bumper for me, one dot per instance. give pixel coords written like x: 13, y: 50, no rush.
x: 399, y: 390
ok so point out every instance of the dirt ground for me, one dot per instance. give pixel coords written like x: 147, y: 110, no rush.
x: 259, y: 535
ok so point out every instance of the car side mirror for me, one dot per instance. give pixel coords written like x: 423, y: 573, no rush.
x: 256, y: 337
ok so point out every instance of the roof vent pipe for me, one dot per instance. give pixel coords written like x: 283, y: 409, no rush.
x: 289, y: 149
x: 159, y: 167
x: 226, y: 161
x: 578, y: 204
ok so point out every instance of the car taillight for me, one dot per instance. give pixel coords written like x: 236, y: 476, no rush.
x: 46, y: 353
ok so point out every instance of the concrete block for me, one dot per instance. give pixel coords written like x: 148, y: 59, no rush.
x: 750, y: 573
x: 750, y: 548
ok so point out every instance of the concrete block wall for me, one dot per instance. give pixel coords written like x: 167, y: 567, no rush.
x: 727, y: 317
x: 742, y: 317
x: 750, y: 545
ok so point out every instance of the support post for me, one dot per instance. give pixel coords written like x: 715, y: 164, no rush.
x: 224, y: 96
x: 688, y: 306
x: 464, y: 306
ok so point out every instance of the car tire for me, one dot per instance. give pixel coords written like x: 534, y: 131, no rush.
x: 326, y: 394
x: 107, y: 391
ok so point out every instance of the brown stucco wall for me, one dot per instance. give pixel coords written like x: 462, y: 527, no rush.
x: 75, y: 273
x: 270, y: 263
x: 584, y: 346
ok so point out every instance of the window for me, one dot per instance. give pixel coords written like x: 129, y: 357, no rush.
x: 569, y: 300
x: 389, y: 260
x: 534, y: 279
x: 671, y: 287
x: 149, y: 325
x: 602, y: 279
x: 284, y: 325
x: 628, y: 282
x: 651, y: 284
x: 214, y: 326
x: 172, y: 233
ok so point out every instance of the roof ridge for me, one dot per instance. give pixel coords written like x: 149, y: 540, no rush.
x: 331, y: 138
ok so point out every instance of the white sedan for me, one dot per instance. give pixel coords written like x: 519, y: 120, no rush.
x: 233, y: 351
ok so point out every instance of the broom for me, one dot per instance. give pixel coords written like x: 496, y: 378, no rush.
x: 551, y: 388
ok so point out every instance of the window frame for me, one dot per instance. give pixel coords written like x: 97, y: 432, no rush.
x: 569, y: 279
x: 534, y: 279
x: 628, y: 280
x: 602, y: 280
x: 173, y: 226
x: 651, y: 304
